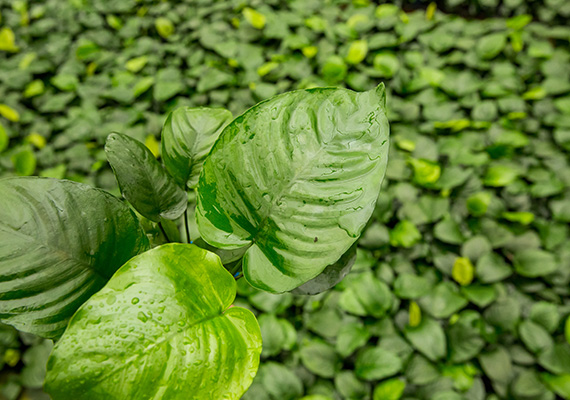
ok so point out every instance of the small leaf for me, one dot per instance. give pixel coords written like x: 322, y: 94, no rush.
x: 533, y: 262
x: 8, y: 40
x: 415, y: 312
x: 376, y: 363
x: 391, y: 389
x: 24, y: 162
x: 164, y: 312
x: 164, y: 27
x: 187, y: 137
x: 428, y: 338
x: 425, y: 172
x: 404, y: 234
x: 9, y: 113
x: 254, y: 18
x: 478, y: 203
x: 357, y: 52
x: 462, y: 271
x: 4, y: 139
x: 62, y: 235
x: 143, y: 181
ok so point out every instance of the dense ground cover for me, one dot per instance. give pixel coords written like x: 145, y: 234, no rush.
x: 461, y: 289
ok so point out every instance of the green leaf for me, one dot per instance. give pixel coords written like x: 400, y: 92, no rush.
x: 143, y: 181
x: 559, y: 384
x: 187, y: 137
x: 254, y: 18
x: 546, y: 315
x: 387, y: 64
x: 443, y: 301
x: 428, y: 338
x: 462, y: 271
x: 357, y: 52
x: 500, y: 175
x: 404, y: 234
x: 556, y: 359
x: 567, y: 330
x: 375, y: 363
x: 60, y: 242
x: 321, y: 359
x: 349, y: 386
x: 497, y: 364
x: 534, y: 336
x: 4, y: 139
x: 448, y: 231
x: 408, y: 286
x: 491, y: 267
x: 490, y: 46
x: 9, y: 113
x: 278, y: 335
x: 330, y: 276
x: 366, y: 295
x: 24, y: 162
x: 425, y: 172
x: 164, y: 27
x: 391, y: 389
x: 162, y: 318
x: 350, y: 338
x: 478, y: 203
x: 533, y: 262
x: 305, y: 194
x: 8, y: 40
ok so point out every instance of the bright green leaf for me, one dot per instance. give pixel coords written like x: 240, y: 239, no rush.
x: 164, y: 312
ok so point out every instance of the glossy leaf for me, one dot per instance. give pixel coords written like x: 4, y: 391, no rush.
x: 60, y: 242
x: 298, y: 176
x: 161, y: 328
x: 187, y: 137
x: 143, y: 181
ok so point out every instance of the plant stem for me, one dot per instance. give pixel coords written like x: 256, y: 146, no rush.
x: 188, y: 240
x: 164, y: 232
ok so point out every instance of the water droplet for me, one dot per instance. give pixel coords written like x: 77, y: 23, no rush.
x: 142, y: 316
x: 135, y: 300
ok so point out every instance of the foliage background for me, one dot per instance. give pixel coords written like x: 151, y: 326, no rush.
x: 461, y: 289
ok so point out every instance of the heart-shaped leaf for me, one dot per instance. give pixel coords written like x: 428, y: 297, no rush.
x: 143, y: 181
x: 298, y: 177
x: 187, y: 137
x: 161, y: 328
x: 60, y: 242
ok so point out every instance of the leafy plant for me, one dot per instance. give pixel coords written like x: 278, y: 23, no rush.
x: 285, y: 192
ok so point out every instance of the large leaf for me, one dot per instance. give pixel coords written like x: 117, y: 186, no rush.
x: 60, y: 242
x: 143, y: 181
x: 160, y: 329
x: 298, y: 177
x: 187, y: 137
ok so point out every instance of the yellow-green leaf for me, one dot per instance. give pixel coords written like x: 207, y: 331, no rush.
x: 9, y: 113
x: 462, y: 271
x: 8, y: 40
x: 415, y: 317
x: 254, y: 18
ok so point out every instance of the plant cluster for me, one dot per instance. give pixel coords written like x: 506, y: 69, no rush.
x: 460, y: 287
